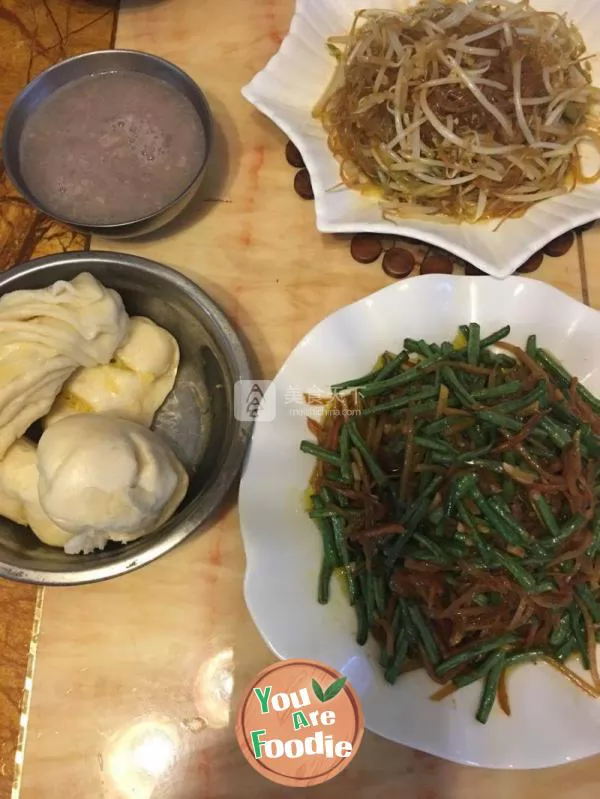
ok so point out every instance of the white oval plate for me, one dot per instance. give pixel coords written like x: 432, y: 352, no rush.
x: 291, y: 83
x: 552, y: 721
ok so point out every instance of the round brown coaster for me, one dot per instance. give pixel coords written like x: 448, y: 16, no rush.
x: 561, y: 245
x: 292, y: 155
x: 533, y: 263
x: 398, y: 262
x: 303, y: 186
x: 437, y: 265
x: 365, y: 248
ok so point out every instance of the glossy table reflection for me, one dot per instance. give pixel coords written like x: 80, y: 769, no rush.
x: 137, y: 680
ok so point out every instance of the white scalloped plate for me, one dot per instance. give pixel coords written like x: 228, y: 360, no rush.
x: 293, y: 80
x: 552, y: 721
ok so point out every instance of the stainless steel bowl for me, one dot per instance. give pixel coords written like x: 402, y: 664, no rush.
x: 197, y: 418
x: 99, y: 62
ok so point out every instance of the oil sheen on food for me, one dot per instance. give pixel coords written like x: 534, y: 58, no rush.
x: 112, y: 148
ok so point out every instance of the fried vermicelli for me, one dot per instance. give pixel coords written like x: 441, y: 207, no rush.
x: 473, y: 110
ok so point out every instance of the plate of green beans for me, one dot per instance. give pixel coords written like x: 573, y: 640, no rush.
x: 425, y: 516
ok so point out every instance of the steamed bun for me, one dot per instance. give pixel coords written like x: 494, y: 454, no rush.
x: 102, y: 478
x: 132, y: 386
x: 45, y: 335
x: 19, y: 499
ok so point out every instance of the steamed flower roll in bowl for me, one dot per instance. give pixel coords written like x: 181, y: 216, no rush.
x: 45, y: 335
x: 118, y: 431
x: 132, y: 386
x: 105, y: 479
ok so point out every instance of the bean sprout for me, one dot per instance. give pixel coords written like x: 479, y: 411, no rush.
x: 489, y: 93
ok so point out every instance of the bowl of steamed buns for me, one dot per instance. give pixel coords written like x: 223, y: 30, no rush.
x: 118, y: 431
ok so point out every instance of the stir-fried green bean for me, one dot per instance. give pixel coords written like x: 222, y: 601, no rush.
x: 474, y: 344
x: 490, y: 689
x: 456, y: 490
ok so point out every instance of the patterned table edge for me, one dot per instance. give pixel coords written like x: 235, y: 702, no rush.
x: 27, y: 693
x: 27, y: 234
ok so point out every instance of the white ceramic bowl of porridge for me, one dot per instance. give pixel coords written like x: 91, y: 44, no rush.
x: 113, y: 142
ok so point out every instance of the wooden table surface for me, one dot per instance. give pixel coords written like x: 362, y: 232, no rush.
x: 123, y: 687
